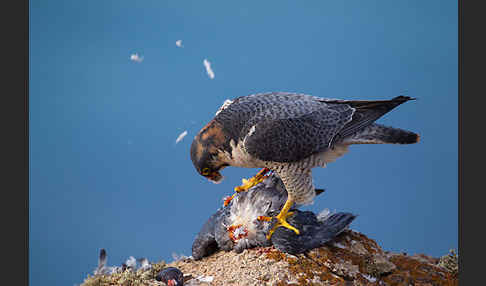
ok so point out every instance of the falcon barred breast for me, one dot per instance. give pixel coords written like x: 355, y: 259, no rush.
x: 290, y: 134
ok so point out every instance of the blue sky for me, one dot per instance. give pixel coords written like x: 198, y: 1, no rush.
x: 105, y: 171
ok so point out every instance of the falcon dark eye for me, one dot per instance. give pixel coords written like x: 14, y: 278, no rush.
x: 205, y: 171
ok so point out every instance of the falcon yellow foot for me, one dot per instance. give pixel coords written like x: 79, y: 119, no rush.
x: 258, y: 178
x: 247, y: 184
x: 281, y: 219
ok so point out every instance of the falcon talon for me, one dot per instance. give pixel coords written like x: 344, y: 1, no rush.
x: 283, y: 223
x: 280, y: 222
x: 282, y: 218
x: 228, y: 199
x: 253, y: 181
x: 247, y: 184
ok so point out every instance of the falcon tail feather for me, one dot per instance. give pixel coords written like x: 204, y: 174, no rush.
x: 380, y: 134
x: 368, y: 111
x: 382, y: 104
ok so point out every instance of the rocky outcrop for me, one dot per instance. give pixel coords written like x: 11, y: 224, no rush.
x: 350, y: 259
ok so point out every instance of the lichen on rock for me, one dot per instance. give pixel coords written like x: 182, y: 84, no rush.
x: 127, y: 277
x: 450, y: 262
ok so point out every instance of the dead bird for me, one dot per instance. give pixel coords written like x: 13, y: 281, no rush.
x: 171, y: 276
x: 238, y: 225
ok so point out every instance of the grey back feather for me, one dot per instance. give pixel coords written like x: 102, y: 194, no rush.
x: 284, y: 123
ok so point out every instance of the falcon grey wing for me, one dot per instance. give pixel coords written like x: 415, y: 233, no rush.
x: 313, y: 126
x: 291, y: 139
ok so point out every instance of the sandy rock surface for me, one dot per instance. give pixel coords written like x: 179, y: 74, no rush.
x: 351, y: 259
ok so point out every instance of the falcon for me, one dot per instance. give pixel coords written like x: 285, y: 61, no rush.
x: 289, y: 134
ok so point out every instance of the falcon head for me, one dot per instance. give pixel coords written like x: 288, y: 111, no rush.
x: 206, y: 151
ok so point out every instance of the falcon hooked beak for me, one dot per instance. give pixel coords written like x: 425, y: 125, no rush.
x: 214, y: 177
